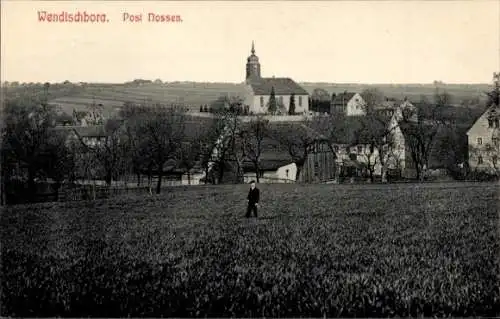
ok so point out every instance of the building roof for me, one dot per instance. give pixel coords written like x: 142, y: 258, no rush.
x: 343, y: 98
x: 282, y: 86
x: 346, y: 131
x: 273, y: 154
x: 266, y: 165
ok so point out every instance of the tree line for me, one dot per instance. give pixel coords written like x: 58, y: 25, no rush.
x: 153, y: 139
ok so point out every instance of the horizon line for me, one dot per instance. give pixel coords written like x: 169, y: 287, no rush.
x: 242, y: 82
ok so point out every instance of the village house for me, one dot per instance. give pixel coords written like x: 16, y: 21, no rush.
x: 277, y: 165
x: 257, y: 91
x: 349, y: 104
x: 483, y: 139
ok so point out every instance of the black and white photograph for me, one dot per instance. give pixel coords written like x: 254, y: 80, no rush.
x: 250, y: 159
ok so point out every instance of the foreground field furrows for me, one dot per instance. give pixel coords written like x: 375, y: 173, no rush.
x: 316, y: 250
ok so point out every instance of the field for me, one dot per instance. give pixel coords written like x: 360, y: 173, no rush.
x: 316, y: 250
x: 194, y: 94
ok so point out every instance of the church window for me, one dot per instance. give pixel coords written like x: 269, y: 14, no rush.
x: 261, y: 101
x: 300, y: 100
x: 479, y: 141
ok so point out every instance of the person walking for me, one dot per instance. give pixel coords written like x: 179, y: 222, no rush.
x: 253, y: 200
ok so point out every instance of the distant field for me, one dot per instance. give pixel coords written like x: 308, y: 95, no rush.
x: 316, y: 250
x: 194, y: 94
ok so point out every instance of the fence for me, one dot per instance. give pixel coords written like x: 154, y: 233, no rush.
x: 90, y: 192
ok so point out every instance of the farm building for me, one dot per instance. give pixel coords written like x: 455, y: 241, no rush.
x: 277, y: 165
x: 348, y: 103
x: 484, y: 141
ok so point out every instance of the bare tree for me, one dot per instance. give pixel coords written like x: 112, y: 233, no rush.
x: 192, y: 150
x: 420, y: 135
x: 298, y: 139
x: 211, y: 146
x: 163, y: 130
x: 109, y: 151
x: 377, y: 134
x: 29, y: 140
x: 252, y: 138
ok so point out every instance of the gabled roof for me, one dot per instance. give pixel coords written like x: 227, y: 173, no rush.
x: 282, y: 86
x: 266, y: 164
x: 343, y: 98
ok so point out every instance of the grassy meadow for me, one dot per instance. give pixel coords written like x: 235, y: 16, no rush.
x: 315, y: 250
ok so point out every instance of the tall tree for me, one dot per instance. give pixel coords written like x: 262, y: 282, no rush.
x: 420, y: 135
x: 163, y: 129
x: 272, y: 105
x: 376, y: 134
x: 192, y: 147
x: 109, y: 153
x: 291, y: 108
x: 225, y: 131
x: 28, y: 138
x: 253, y: 141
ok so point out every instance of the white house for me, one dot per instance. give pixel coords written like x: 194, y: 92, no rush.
x: 258, y: 90
x: 349, y: 103
x: 484, y: 141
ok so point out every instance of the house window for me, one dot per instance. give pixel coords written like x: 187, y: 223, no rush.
x: 261, y: 101
x: 300, y: 101
x: 360, y: 148
x: 480, y: 159
x: 495, y: 141
x: 479, y: 141
x: 286, y: 174
x: 490, y: 123
x: 336, y: 148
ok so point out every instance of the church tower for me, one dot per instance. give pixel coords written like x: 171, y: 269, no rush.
x: 253, y: 65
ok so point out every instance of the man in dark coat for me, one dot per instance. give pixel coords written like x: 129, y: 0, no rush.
x: 253, y: 199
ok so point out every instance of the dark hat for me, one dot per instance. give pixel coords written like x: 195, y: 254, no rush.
x: 252, y: 182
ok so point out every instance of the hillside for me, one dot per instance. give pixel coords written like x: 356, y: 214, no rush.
x: 112, y: 96
x: 316, y: 250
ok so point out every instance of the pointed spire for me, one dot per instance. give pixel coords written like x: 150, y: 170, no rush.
x: 253, y: 48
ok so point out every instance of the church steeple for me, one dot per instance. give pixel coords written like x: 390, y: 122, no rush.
x: 253, y: 65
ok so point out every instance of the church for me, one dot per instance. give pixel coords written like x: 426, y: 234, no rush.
x: 258, y: 90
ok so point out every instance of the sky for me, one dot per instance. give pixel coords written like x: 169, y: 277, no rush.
x: 324, y: 41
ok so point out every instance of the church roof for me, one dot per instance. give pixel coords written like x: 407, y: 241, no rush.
x: 282, y: 86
